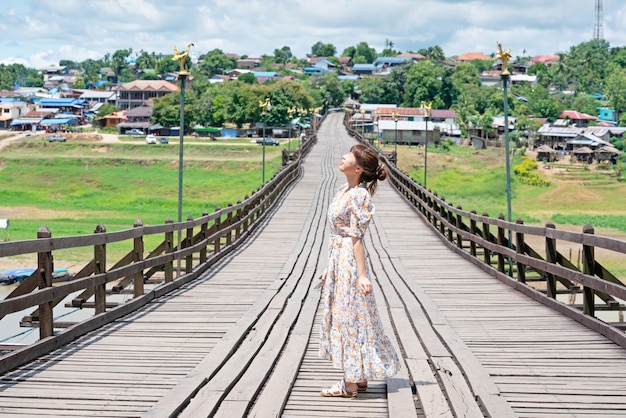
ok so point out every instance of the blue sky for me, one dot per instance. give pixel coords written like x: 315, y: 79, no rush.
x: 37, y: 33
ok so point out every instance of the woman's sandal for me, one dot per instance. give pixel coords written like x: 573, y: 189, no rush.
x: 338, y: 390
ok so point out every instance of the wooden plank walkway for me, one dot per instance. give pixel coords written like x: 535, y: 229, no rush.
x: 242, y: 339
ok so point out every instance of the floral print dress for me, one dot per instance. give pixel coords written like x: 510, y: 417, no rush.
x: 351, y: 334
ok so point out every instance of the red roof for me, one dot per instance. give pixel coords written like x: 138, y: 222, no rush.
x: 149, y: 85
x: 402, y: 111
x: 471, y: 56
x: 544, y: 59
x: 385, y: 112
x: 574, y: 115
x: 416, y: 57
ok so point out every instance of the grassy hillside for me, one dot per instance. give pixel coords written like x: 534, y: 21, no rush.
x: 476, y: 179
x: 72, y: 186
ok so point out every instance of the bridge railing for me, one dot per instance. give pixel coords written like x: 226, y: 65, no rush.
x: 185, y: 250
x: 593, y: 295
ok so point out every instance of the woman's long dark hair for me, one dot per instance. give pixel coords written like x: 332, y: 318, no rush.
x: 373, y: 170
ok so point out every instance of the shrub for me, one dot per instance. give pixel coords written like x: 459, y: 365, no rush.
x: 526, y: 172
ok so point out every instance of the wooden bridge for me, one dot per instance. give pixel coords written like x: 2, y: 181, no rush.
x: 240, y: 339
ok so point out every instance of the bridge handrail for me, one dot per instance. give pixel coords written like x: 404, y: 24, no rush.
x: 514, y: 262
x: 219, y: 232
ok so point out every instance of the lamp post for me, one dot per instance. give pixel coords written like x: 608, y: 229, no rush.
x: 395, y: 116
x: 426, y: 108
x: 266, y: 106
x: 181, y: 57
x: 504, y: 56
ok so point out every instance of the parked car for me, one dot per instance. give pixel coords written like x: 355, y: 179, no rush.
x: 56, y: 138
x: 268, y: 141
x: 151, y: 139
x: 164, y: 141
x: 135, y: 132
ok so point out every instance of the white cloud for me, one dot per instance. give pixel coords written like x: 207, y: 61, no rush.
x: 37, y: 32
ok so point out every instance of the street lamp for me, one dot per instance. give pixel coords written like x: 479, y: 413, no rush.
x: 505, y: 56
x: 181, y: 57
x: 426, y: 108
x: 266, y: 106
x: 395, y: 116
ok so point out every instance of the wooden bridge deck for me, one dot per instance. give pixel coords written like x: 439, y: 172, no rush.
x: 242, y: 339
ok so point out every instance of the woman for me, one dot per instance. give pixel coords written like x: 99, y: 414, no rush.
x: 351, y: 335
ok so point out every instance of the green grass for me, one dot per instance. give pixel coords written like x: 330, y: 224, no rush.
x: 73, y: 186
x: 476, y: 180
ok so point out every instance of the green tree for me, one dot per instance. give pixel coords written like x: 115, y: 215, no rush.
x: 71, y: 65
x: 486, y: 123
x: 167, y: 65
x: 389, y: 51
x: 282, y: 55
x: 119, y: 60
x: 146, y: 60
x: 330, y: 89
x: 433, y: 53
x: 586, y: 65
x: 464, y: 74
x: 372, y: 89
x: 216, y: 62
x: 247, y: 78
x: 464, y: 112
x: 615, y: 90
x: 361, y: 53
x: 166, y: 110
x: 321, y: 49
x: 423, y: 84
x: 106, y: 109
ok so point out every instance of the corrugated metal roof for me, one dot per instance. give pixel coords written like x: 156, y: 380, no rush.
x: 68, y: 121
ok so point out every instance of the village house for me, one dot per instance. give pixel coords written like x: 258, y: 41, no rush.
x: 138, y: 92
x: 10, y: 110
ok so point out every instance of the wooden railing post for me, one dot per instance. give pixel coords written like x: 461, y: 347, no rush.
x: 169, y: 248
x: 237, y: 220
x: 44, y: 264
x: 501, y: 243
x: 246, y: 214
x: 551, y: 257
x: 229, y: 223
x: 521, y: 246
x: 443, y: 216
x: 100, y: 257
x: 589, y: 267
x: 473, y: 232
x: 486, y: 237
x: 138, y: 249
x: 218, y: 229
x: 451, y: 222
x: 188, y: 243
x: 459, y: 225
x: 204, y: 228
x: 435, y: 207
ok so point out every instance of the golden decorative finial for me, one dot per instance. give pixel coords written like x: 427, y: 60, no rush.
x: 427, y: 108
x: 504, y: 56
x: 265, y: 105
x: 181, y: 57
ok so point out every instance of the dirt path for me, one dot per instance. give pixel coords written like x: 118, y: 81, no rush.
x: 18, y: 135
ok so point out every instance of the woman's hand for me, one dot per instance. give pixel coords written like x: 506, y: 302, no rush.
x: 364, y: 285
